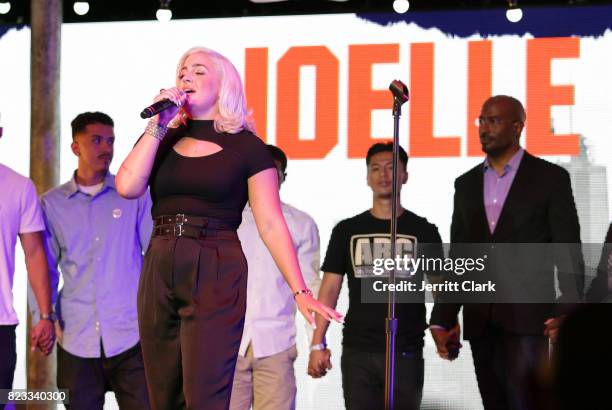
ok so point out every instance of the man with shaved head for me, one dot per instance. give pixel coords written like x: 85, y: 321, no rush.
x: 511, y: 197
x: 501, y: 121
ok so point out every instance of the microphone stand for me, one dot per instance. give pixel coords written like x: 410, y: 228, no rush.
x: 400, y: 96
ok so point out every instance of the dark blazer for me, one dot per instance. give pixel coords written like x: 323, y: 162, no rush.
x: 539, y: 209
x: 598, y: 289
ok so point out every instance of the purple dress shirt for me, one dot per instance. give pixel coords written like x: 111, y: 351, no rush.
x: 496, y: 187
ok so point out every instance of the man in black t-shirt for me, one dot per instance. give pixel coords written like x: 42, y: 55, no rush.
x: 356, y: 247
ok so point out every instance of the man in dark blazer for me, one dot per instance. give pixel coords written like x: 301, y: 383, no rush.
x: 511, y: 198
x: 601, y: 286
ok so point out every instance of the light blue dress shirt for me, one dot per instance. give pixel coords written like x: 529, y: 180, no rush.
x: 98, y: 243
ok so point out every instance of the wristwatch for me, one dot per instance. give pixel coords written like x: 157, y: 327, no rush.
x: 318, y: 346
x: 48, y: 316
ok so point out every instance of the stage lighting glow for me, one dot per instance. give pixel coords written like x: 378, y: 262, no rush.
x: 5, y: 7
x: 401, y: 6
x: 81, y: 7
x: 164, y: 15
x: 514, y: 14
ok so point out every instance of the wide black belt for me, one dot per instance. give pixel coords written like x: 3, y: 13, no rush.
x: 182, y: 219
x: 191, y: 227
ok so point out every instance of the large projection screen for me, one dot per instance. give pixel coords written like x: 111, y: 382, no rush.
x: 318, y: 88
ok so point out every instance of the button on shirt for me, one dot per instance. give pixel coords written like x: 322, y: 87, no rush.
x: 270, y: 316
x: 97, y: 241
x: 19, y: 213
x: 496, y: 187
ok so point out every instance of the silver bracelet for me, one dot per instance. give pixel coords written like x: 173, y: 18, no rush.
x: 155, y: 130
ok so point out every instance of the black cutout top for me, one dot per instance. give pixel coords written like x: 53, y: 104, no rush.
x: 214, y: 185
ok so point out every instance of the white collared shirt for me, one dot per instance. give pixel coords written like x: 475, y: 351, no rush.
x: 270, y: 316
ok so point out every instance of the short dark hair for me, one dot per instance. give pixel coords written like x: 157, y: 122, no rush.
x: 82, y: 120
x: 386, y: 147
x: 278, y: 155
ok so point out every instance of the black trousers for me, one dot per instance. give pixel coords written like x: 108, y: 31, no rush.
x: 88, y: 379
x: 363, y: 379
x: 8, y: 357
x: 191, y: 306
x: 507, y: 369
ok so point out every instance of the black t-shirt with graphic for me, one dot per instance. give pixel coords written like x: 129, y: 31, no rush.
x: 354, y: 245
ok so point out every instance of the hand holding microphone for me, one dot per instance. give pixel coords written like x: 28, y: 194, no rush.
x: 167, y: 104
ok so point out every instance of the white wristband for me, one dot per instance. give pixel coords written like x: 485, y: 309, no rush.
x: 318, y: 346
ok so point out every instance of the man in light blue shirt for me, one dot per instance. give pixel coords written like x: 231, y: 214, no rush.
x: 97, y: 238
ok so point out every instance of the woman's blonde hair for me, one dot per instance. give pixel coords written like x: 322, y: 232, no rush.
x: 233, y: 115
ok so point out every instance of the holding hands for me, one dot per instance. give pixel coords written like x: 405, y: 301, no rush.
x: 319, y: 363
x: 42, y: 336
x: 551, y: 328
x: 447, y: 341
x: 320, y: 357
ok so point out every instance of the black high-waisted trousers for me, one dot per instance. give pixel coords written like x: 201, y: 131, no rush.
x: 191, y: 306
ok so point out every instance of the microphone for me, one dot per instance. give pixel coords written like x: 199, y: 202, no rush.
x: 156, y: 108
x: 399, y: 91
